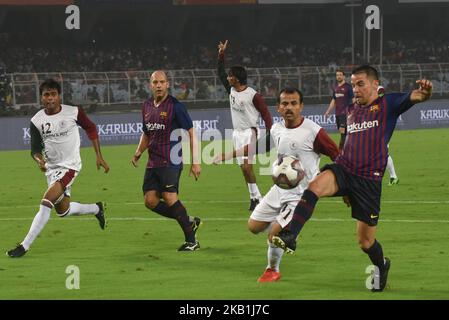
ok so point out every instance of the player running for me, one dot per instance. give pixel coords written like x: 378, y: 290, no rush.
x: 55, y: 146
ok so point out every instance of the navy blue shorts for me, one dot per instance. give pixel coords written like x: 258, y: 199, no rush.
x: 364, y: 194
x: 164, y: 179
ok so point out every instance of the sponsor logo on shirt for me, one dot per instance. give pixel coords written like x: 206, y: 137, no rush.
x: 155, y: 126
x: 365, y: 125
x: 55, y: 135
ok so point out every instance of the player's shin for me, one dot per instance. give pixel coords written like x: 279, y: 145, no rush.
x: 274, y: 255
x: 77, y: 209
x: 303, y: 211
x: 179, y: 212
x: 376, y: 255
x: 39, y: 222
x: 163, y: 210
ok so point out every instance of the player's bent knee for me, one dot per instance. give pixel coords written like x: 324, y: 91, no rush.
x: 253, y: 229
x: 365, y: 243
x: 47, y: 203
x: 151, y: 201
x: 63, y: 214
x: 151, y: 204
x: 256, y: 227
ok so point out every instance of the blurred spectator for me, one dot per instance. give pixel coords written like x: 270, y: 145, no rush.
x: 92, y: 95
x: 5, y: 89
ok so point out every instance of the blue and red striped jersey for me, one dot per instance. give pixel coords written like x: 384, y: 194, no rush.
x: 369, y: 130
x: 158, y: 124
x: 343, y: 98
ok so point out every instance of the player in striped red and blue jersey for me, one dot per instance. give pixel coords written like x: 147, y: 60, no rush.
x: 342, y: 97
x: 163, y: 116
x: 358, y: 170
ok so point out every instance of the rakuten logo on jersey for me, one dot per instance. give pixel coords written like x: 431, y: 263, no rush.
x: 365, y: 125
x: 155, y: 126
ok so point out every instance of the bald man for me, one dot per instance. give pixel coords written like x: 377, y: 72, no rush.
x: 164, y: 118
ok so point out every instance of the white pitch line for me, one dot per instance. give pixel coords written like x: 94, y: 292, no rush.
x: 245, y: 201
x: 224, y: 219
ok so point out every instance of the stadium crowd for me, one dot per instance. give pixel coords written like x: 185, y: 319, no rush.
x: 132, y: 87
x: 93, y: 58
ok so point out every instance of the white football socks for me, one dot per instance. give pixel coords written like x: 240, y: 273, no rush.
x: 390, y: 167
x: 254, y: 192
x: 77, y: 209
x: 274, y: 256
x: 39, y: 222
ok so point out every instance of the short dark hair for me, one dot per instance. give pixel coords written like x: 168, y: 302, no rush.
x: 240, y: 73
x: 49, y: 84
x: 370, y: 71
x: 290, y: 90
x: 339, y: 70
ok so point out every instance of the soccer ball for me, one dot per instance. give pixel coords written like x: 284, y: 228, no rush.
x: 287, y: 172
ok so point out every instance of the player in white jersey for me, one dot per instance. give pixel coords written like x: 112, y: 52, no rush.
x: 55, y: 143
x: 302, y: 139
x: 394, y: 180
x: 246, y: 107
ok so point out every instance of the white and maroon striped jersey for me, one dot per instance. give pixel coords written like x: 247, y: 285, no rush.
x: 243, y: 112
x: 59, y: 136
x: 305, y: 142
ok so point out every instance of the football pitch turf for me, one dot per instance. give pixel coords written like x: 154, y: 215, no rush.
x: 136, y: 257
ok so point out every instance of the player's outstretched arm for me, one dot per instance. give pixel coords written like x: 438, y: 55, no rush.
x: 221, y: 67
x: 143, y: 145
x: 195, y: 168
x: 423, y: 93
x: 222, y: 47
x: 231, y: 155
x: 100, y: 160
x: 248, y: 150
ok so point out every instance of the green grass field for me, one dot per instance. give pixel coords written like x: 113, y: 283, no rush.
x: 136, y: 257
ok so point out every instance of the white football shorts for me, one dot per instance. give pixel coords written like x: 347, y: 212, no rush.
x: 63, y: 175
x: 241, y: 138
x: 277, y: 205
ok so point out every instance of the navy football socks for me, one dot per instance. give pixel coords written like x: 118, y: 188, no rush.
x: 179, y: 212
x: 162, y: 209
x: 376, y: 255
x: 303, y: 211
